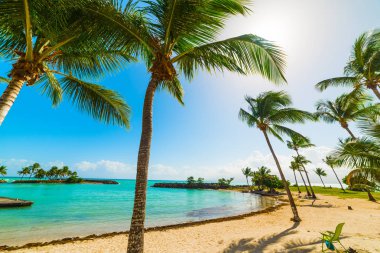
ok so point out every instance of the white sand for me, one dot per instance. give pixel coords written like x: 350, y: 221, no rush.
x: 269, y: 232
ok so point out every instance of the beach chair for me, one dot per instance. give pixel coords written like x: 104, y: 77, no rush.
x: 329, y: 237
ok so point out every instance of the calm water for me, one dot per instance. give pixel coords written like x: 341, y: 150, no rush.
x: 77, y: 210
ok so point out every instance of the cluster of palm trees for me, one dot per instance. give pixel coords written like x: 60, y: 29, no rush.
x: 269, y: 111
x: 62, y: 46
x: 54, y: 173
x: 261, y: 178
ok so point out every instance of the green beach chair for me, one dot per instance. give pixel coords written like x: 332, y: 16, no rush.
x: 329, y: 237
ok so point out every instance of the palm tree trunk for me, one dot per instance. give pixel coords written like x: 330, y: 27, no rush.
x: 351, y: 134
x: 296, y: 217
x: 295, y: 178
x: 370, y: 196
x: 338, y: 179
x: 136, y: 232
x: 308, y: 180
x: 9, y: 96
x: 376, y: 92
x: 247, y: 181
x: 307, y: 189
x: 322, y: 182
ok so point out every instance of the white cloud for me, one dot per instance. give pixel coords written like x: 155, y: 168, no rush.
x: 105, y: 168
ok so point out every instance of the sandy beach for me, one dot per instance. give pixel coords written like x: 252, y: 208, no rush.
x: 267, y: 232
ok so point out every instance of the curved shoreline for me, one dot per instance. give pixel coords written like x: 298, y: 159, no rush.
x: 277, y: 205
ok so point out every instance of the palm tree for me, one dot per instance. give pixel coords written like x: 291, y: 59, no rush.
x: 260, y: 175
x: 295, y: 144
x: 299, y: 168
x: 3, y: 170
x: 268, y: 112
x: 247, y: 172
x: 363, y: 69
x: 331, y: 163
x: 302, y: 162
x: 294, y: 167
x: 321, y: 173
x: 365, y: 179
x: 44, y: 43
x: 33, y: 169
x: 24, y: 171
x: 178, y: 38
x: 346, y: 108
x: 40, y: 173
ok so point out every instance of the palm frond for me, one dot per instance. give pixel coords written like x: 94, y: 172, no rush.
x: 4, y: 80
x: 246, y: 54
x: 344, y: 81
x: 102, y: 104
x: 51, y: 87
x: 174, y: 87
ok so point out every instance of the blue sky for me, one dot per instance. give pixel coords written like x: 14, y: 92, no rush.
x: 203, y: 138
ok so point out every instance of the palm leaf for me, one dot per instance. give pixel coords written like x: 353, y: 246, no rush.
x: 102, y: 104
x: 337, y: 82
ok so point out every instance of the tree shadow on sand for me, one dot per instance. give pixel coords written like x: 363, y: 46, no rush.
x: 293, y: 246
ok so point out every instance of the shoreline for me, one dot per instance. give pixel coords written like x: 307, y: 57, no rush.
x: 276, y: 206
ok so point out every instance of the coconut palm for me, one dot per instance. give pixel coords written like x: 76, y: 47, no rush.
x: 302, y: 162
x: 33, y: 169
x: 331, y: 163
x: 45, y: 43
x: 24, y: 171
x: 3, y: 170
x: 268, y: 112
x: 247, y: 172
x: 178, y: 38
x: 346, y: 108
x: 363, y: 69
x: 259, y: 176
x: 321, y: 173
x: 40, y: 173
x: 365, y: 179
x: 296, y: 143
x: 294, y: 167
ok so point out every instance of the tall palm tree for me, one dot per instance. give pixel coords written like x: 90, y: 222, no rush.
x: 346, y: 108
x: 363, y: 69
x: 331, y: 163
x: 3, y: 170
x: 302, y: 162
x: 33, y: 169
x: 296, y: 143
x: 178, y: 38
x: 294, y: 167
x: 268, y: 112
x: 321, y: 173
x: 300, y: 169
x: 47, y: 43
x: 247, y: 172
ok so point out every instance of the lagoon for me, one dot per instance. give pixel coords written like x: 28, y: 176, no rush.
x: 68, y: 210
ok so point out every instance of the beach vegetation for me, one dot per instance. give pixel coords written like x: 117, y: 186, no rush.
x: 268, y: 112
x: 296, y: 143
x: 3, y: 171
x: 321, y: 173
x: 247, y: 172
x: 225, y: 182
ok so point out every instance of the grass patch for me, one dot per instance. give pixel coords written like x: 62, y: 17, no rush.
x: 338, y: 192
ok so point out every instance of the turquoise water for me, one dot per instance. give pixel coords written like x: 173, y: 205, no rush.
x: 61, y: 210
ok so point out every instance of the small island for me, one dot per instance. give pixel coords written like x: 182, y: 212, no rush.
x: 34, y: 174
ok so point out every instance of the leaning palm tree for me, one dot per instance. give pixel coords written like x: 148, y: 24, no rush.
x: 45, y: 43
x: 331, y: 163
x: 247, y: 172
x: 296, y: 143
x: 302, y: 162
x: 321, y: 173
x: 3, y: 170
x: 24, y: 171
x: 346, y: 108
x: 268, y: 112
x: 294, y: 167
x: 363, y: 69
x: 178, y: 38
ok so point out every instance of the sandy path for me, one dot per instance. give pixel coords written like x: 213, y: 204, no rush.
x: 270, y: 232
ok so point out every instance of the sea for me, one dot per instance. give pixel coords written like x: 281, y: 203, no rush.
x: 70, y: 210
